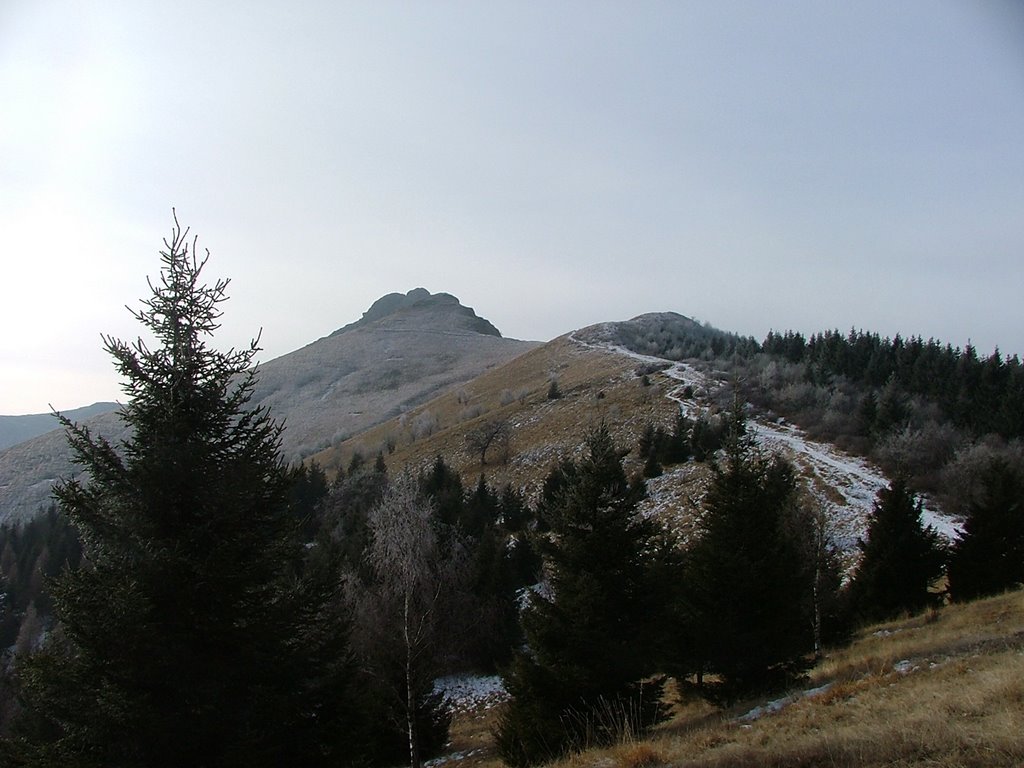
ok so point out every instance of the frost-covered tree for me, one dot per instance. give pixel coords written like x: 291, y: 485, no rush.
x: 188, y: 637
x: 404, y: 605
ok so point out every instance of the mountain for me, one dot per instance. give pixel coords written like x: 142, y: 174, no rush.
x: 419, y: 374
x: 17, y: 429
x: 404, y: 350
x: 443, y: 310
x: 600, y: 380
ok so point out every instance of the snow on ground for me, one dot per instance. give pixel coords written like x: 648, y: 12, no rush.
x: 454, y: 757
x: 778, y: 704
x: 467, y: 692
x: 846, y: 485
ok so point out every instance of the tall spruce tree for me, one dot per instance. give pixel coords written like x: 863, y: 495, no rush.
x: 189, y: 636
x: 988, y: 557
x: 747, y: 580
x: 900, y: 560
x: 590, y: 636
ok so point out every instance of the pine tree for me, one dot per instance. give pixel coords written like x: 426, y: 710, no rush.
x: 590, y: 637
x: 988, y: 557
x: 900, y: 559
x: 747, y: 584
x: 189, y: 637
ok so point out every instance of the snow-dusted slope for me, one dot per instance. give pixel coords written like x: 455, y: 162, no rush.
x: 845, y: 485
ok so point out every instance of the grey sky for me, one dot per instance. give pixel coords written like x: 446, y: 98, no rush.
x: 805, y: 165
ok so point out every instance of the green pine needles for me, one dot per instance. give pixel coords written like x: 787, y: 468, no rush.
x: 582, y: 680
x: 190, y: 637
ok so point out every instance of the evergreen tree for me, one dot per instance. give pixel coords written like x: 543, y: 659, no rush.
x: 649, y: 446
x: 308, y: 487
x: 189, y: 638
x: 591, y: 634
x: 677, y: 446
x: 988, y: 558
x: 747, y: 580
x: 900, y: 559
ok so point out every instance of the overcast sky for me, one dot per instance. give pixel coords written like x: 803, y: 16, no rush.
x: 757, y: 165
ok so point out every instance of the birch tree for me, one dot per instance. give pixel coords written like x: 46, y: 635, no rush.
x: 403, y: 602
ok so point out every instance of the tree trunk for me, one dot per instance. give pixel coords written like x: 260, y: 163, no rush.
x: 410, y: 695
x: 817, y: 611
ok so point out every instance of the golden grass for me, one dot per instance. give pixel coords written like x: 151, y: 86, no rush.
x: 596, y: 386
x: 943, y: 689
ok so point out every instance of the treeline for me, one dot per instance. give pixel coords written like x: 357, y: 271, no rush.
x: 231, y: 611
x: 30, y: 555
x: 981, y: 395
x: 938, y: 414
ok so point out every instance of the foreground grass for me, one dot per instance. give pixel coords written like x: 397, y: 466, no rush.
x: 943, y: 689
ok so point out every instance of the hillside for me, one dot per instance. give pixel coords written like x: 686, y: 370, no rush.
x: 601, y: 381
x: 403, y: 351
x: 29, y: 469
x: 18, y: 429
x: 943, y: 689
x: 594, y: 385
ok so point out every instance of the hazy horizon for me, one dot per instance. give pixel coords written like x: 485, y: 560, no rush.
x: 792, y: 166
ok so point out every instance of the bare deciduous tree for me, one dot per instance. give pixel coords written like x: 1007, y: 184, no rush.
x: 496, y: 432
x: 401, y: 609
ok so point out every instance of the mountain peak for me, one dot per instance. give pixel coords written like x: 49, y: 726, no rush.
x: 443, y: 308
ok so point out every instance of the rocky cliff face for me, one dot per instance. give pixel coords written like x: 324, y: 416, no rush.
x: 442, y: 310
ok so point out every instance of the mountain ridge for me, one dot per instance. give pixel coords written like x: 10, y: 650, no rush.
x: 18, y: 429
x: 408, y: 349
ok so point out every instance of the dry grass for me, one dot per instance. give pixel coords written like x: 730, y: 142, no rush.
x: 595, y: 386
x: 943, y: 689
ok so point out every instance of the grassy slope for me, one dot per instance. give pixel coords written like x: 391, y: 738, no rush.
x: 595, y: 386
x: 943, y: 689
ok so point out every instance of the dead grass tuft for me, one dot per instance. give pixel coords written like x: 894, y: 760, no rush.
x: 637, y: 755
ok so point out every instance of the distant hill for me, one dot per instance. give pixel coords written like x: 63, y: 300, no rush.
x: 17, y: 429
x: 406, y: 349
x: 667, y: 335
x: 600, y: 380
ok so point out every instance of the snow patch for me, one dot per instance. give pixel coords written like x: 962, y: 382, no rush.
x: 905, y: 667
x: 774, y: 706
x: 454, y: 757
x: 845, y: 485
x: 471, y: 692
